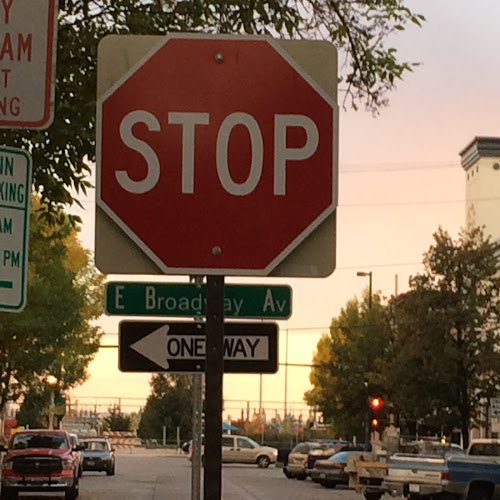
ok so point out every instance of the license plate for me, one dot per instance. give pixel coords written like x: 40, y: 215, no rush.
x: 90, y: 462
x: 322, y: 475
x: 415, y: 488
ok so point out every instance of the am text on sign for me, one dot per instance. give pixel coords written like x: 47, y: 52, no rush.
x: 186, y: 299
x: 180, y: 347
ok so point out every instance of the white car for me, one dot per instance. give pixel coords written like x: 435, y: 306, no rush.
x: 244, y: 450
x: 76, y: 445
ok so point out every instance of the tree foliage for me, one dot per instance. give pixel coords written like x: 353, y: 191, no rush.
x: 169, y: 405
x: 63, y: 154
x: 349, y: 366
x: 53, y: 334
x: 432, y: 351
x: 116, y: 420
x: 446, y: 332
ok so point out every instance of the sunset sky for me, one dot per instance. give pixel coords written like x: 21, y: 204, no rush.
x: 400, y: 179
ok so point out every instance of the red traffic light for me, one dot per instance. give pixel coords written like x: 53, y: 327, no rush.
x: 376, y: 403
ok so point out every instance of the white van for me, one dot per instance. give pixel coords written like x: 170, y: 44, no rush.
x: 243, y: 450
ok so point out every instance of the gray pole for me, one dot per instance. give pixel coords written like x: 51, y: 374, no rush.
x: 286, y: 374
x: 370, y: 291
x: 197, y: 441
x: 197, y: 423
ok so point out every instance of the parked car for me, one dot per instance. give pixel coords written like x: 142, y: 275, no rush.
x: 331, y: 472
x: 326, y: 450
x: 244, y: 450
x: 296, y: 464
x: 98, y: 456
x: 39, y: 460
x: 75, y: 443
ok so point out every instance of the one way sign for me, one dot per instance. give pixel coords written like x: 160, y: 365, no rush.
x: 180, y: 347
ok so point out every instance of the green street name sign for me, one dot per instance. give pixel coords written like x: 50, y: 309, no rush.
x: 189, y: 299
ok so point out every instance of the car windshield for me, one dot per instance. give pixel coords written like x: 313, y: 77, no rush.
x: 254, y: 443
x: 485, y: 449
x: 39, y: 440
x: 96, y: 445
x: 303, y: 448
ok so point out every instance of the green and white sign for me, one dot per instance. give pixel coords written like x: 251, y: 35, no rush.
x: 15, y: 191
x: 189, y: 299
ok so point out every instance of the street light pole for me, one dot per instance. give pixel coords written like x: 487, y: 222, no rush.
x: 367, y: 409
x: 52, y: 381
x: 370, y: 292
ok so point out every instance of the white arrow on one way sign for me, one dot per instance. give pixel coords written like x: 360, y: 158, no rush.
x: 150, y: 346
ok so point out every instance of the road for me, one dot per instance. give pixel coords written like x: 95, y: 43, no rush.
x: 149, y: 477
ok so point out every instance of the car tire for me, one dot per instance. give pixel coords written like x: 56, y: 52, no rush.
x: 263, y: 462
x: 373, y: 496
x: 71, y: 493
x: 289, y: 475
x: 301, y: 477
x: 111, y: 470
x: 8, y: 494
x: 329, y: 484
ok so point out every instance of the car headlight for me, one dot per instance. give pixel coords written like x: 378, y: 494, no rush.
x: 67, y: 464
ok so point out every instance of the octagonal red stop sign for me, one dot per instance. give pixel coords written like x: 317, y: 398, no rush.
x: 217, y: 155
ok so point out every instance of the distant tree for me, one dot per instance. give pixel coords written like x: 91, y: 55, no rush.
x: 54, y: 333
x: 169, y: 405
x: 117, y: 421
x: 446, y: 333
x: 33, y: 411
x: 63, y: 154
x: 349, y: 366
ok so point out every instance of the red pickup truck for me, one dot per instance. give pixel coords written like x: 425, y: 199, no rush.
x: 41, y: 461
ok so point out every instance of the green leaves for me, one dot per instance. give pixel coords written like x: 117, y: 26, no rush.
x: 447, y: 325
x: 53, y: 333
x: 63, y: 155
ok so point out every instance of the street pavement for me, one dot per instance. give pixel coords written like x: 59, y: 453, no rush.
x: 160, y: 474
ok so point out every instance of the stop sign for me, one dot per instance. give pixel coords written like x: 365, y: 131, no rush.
x: 217, y: 155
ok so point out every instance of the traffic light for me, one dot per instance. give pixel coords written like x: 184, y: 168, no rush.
x: 376, y: 403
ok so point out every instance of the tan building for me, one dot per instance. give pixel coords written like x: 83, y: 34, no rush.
x: 481, y: 162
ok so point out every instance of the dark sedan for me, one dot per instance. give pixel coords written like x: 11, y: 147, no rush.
x: 98, y: 456
x: 331, y: 471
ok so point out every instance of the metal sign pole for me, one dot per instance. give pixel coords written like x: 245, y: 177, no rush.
x: 214, y: 371
x: 197, y: 422
x: 197, y: 439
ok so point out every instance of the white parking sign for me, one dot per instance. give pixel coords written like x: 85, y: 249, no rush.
x: 495, y: 407
x: 15, y: 192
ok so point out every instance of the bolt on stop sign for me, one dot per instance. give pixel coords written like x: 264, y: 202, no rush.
x: 217, y: 155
